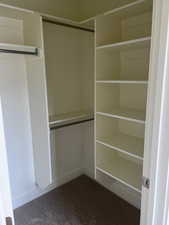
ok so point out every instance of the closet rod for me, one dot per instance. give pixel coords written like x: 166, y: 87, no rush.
x: 68, y: 25
x: 70, y: 124
x: 19, y: 52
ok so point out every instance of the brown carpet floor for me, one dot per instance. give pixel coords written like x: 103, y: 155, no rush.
x: 79, y: 202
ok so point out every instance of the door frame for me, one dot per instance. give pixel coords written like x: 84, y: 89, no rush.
x: 155, y: 201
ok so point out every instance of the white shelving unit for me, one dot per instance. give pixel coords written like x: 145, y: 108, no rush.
x: 123, y: 39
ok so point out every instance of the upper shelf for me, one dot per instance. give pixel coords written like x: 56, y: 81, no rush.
x: 69, y: 119
x: 18, y: 49
x: 137, y: 43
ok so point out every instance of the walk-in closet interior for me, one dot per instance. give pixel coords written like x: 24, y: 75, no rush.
x: 74, y: 86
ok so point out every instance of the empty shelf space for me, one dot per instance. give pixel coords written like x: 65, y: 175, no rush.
x: 13, y: 48
x: 129, y: 64
x: 130, y: 145
x: 69, y: 118
x: 117, y: 176
x: 126, y: 114
x: 120, y: 168
x: 136, y: 43
x: 131, y: 23
x: 122, y: 82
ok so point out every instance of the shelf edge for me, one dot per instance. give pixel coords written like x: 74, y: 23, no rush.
x: 124, y: 43
x: 118, y: 179
x: 120, y: 117
x: 119, y: 150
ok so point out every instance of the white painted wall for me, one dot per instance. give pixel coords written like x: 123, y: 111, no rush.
x: 88, y: 149
x: 13, y: 89
x: 5, y: 190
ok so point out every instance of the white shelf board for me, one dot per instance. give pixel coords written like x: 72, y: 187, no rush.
x: 123, y: 170
x: 126, y: 114
x: 20, y: 48
x: 121, y: 180
x: 68, y: 118
x: 121, y: 82
x: 136, y: 43
x: 130, y: 145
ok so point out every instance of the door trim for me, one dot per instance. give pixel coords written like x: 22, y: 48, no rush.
x: 155, y: 201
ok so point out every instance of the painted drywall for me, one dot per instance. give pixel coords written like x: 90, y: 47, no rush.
x: 71, y: 9
x: 5, y: 190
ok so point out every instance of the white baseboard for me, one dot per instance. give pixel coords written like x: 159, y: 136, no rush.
x: 129, y: 195
x: 36, y: 192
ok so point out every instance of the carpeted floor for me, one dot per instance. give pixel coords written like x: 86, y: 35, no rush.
x: 80, y: 202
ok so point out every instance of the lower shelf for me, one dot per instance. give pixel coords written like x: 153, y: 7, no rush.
x: 69, y: 118
x: 119, y: 168
x: 130, y: 145
x: 126, y: 114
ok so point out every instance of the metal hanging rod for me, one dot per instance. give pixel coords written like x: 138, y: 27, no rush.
x: 20, y: 52
x: 68, y: 25
x: 70, y: 124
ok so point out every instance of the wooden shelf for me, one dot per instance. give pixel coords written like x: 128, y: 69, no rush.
x: 130, y: 145
x: 122, y: 82
x: 119, y: 168
x: 137, y: 43
x: 5, y: 47
x: 126, y: 114
x: 68, y: 118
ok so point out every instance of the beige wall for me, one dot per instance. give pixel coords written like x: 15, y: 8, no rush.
x: 71, y: 9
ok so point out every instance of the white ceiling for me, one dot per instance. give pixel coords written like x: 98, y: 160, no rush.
x: 76, y: 10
